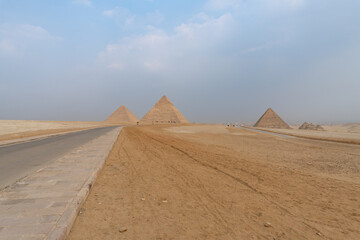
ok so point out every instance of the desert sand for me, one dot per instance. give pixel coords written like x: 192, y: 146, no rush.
x: 213, y: 182
x: 348, y: 133
x: 344, y: 128
x: 14, y: 129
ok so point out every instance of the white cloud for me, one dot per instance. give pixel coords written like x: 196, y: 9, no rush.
x: 7, y: 47
x: 116, y: 66
x: 83, y: 2
x: 122, y: 16
x: 23, y: 30
x: 157, y: 50
x: 285, y: 4
x: 218, y: 5
x: 223, y: 4
x: 262, y: 47
x: 153, y: 65
x: 15, y: 38
x: 206, y: 23
x: 117, y: 11
x: 126, y: 19
x: 109, y: 13
x: 200, y: 42
x: 153, y: 18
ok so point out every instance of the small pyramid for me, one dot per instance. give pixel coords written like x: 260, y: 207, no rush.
x: 311, y: 126
x: 122, y: 115
x: 271, y: 120
x: 164, y: 112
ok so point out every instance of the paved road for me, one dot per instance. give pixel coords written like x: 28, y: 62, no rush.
x: 18, y: 160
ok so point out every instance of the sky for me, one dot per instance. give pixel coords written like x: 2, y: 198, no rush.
x: 216, y: 60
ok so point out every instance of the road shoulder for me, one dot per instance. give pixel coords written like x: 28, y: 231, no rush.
x: 44, y: 204
x: 34, y: 136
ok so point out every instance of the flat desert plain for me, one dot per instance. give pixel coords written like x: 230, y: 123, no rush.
x: 347, y: 133
x: 213, y: 182
x: 14, y: 129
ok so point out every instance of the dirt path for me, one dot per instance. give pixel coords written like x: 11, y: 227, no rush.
x: 163, y: 185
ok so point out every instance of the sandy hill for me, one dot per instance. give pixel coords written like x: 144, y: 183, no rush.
x: 271, y: 120
x: 311, y: 126
x: 163, y: 112
x: 122, y: 115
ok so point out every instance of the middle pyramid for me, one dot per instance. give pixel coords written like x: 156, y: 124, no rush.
x: 164, y: 112
x: 122, y: 115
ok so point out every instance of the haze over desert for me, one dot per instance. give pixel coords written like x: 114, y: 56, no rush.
x: 154, y: 119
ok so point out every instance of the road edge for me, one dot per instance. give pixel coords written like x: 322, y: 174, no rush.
x: 6, y: 143
x: 66, y: 221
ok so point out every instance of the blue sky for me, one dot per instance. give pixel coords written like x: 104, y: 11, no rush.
x: 217, y: 60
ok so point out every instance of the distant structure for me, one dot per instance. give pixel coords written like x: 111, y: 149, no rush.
x: 122, y: 115
x: 271, y: 120
x: 164, y: 112
x: 311, y: 126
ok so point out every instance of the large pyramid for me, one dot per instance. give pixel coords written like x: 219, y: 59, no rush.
x: 271, y: 120
x: 122, y: 115
x: 164, y: 112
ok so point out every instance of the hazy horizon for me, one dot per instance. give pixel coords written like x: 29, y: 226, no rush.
x: 216, y: 60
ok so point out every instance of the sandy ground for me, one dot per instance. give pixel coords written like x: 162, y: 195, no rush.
x: 212, y: 129
x: 349, y: 133
x: 14, y: 129
x: 164, y: 182
x: 350, y: 127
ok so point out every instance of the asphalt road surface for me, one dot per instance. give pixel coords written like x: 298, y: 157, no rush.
x: 19, y: 160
